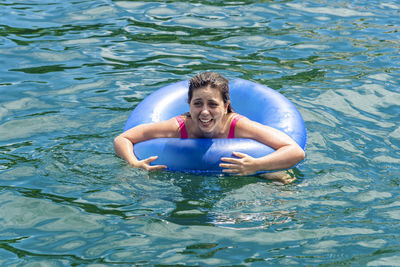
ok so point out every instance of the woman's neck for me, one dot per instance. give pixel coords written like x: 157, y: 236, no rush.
x: 220, y: 132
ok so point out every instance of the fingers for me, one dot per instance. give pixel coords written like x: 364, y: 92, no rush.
x: 156, y: 168
x: 230, y: 165
x: 236, y: 166
x: 235, y: 172
x: 231, y: 171
x: 230, y: 168
x: 231, y: 160
x: 147, y: 166
x: 226, y: 165
x: 150, y: 159
x: 239, y: 154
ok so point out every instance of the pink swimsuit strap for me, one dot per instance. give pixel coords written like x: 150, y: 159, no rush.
x: 233, y: 125
x: 184, y: 134
x: 182, y: 126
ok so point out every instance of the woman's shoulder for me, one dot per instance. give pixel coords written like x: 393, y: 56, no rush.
x: 233, y: 115
x: 238, y: 117
x: 245, y: 127
x: 165, y: 129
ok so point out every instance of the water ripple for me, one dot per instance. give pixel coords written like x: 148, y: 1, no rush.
x: 71, y: 72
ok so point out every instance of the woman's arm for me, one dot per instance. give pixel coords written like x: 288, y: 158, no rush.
x: 123, y: 144
x: 287, y: 152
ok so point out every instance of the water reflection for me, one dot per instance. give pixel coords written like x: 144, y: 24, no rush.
x: 227, y: 201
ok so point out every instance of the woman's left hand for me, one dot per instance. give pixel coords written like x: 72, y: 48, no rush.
x: 243, y: 165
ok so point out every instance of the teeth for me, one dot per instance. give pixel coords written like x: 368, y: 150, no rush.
x: 205, y: 121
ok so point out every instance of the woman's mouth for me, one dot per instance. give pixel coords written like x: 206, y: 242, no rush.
x: 205, y: 122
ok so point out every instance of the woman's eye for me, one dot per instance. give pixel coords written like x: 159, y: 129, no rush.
x: 197, y: 104
x: 213, y: 105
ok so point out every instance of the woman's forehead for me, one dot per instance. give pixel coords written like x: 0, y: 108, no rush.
x: 206, y: 92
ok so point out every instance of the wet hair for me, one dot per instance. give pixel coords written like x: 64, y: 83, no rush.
x: 213, y: 80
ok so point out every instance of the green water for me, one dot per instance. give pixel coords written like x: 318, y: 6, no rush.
x: 72, y: 71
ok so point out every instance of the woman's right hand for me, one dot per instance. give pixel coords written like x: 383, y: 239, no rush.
x: 145, y: 164
x: 123, y: 143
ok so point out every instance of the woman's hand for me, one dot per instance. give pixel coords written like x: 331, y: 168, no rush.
x: 243, y: 165
x: 123, y: 143
x: 145, y: 164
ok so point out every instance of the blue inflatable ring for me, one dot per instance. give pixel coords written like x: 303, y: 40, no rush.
x: 255, y: 101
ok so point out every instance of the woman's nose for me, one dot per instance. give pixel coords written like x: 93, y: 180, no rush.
x: 204, y: 110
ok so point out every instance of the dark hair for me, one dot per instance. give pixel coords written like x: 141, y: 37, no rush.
x: 213, y: 80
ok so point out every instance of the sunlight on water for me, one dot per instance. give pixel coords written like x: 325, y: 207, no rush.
x: 71, y: 73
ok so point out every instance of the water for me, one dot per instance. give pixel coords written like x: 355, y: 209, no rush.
x: 72, y: 71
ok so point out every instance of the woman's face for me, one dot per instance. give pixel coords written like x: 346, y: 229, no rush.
x: 207, y: 110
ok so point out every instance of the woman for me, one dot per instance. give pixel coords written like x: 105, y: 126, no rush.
x: 211, y: 116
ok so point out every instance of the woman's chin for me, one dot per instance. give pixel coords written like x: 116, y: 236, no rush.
x: 207, y: 132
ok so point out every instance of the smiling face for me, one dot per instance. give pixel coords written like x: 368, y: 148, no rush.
x: 207, y: 111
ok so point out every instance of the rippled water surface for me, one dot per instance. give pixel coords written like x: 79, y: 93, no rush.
x: 72, y: 71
